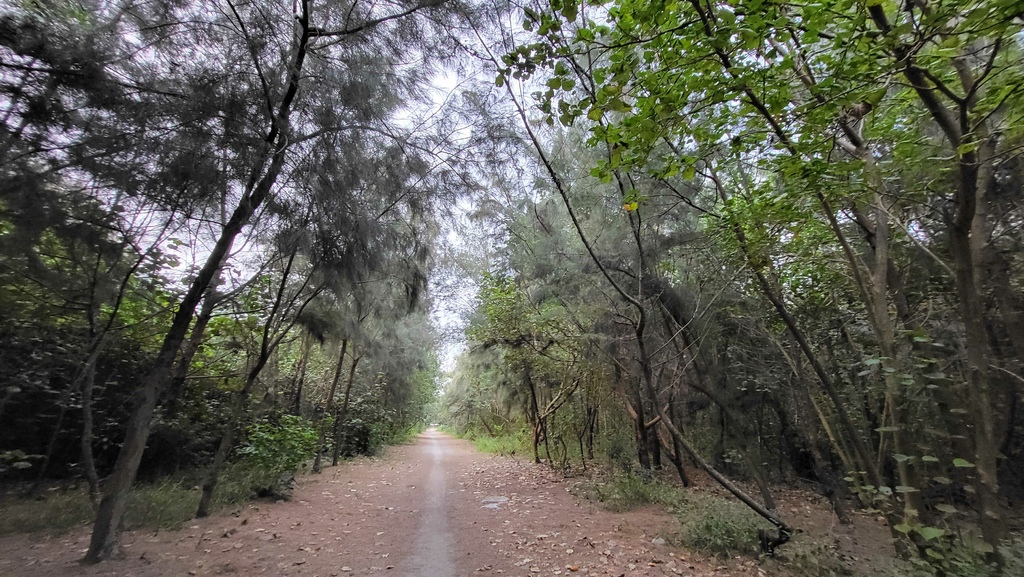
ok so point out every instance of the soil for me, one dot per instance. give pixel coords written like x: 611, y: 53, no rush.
x: 436, y: 508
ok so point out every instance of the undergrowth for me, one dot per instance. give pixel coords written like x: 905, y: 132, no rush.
x: 167, y: 504
x: 714, y: 525
x: 719, y: 526
x: 631, y: 490
x: 507, y: 444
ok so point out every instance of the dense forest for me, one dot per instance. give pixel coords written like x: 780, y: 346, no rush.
x: 771, y: 243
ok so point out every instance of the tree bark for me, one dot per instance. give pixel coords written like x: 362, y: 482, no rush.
x: 300, y: 376
x: 92, y: 478
x: 339, y: 420
x: 329, y: 408
x: 176, y: 389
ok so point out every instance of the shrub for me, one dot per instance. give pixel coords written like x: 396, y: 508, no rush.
x: 635, y: 489
x: 719, y: 526
x: 281, y: 447
x: 508, y: 444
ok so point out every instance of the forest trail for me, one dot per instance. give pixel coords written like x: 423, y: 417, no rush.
x: 435, y: 508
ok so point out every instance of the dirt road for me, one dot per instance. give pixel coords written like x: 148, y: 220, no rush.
x: 436, y: 508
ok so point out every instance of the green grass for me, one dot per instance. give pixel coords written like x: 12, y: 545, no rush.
x: 631, y: 490
x: 56, y: 512
x: 168, y: 504
x: 406, y: 436
x: 719, y: 526
x: 714, y: 525
x: 515, y: 443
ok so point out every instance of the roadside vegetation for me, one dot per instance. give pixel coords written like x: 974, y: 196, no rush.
x: 775, y: 244
x: 769, y: 244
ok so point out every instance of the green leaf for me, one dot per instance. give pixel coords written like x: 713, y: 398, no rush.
x: 689, y: 172
x: 929, y: 459
x: 945, y: 508
x: 595, y: 114
x: 930, y: 533
x: 903, y: 528
x: 983, y: 547
x: 962, y: 463
x: 618, y: 105
x: 570, y: 11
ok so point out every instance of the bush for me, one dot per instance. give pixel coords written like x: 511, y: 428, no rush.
x: 635, y: 489
x: 722, y: 527
x: 280, y: 448
x: 508, y: 444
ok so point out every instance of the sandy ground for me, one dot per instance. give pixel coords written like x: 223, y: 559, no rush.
x: 436, y: 508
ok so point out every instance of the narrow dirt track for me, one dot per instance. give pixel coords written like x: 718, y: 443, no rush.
x: 436, y: 508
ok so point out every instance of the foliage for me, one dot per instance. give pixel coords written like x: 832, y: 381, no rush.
x: 509, y: 444
x: 797, y: 201
x: 280, y: 447
x: 166, y: 504
x: 722, y: 527
x: 627, y: 491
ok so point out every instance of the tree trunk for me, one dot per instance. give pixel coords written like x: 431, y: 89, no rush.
x: 590, y: 431
x: 51, y: 446
x: 220, y: 457
x: 300, y: 376
x: 534, y: 414
x: 487, y: 427
x: 188, y: 352
x: 88, y: 461
x: 975, y: 342
x: 675, y: 455
x: 640, y: 434
x: 329, y: 409
x: 268, y: 347
x: 342, y: 415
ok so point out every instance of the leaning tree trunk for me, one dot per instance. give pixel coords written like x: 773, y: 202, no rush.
x: 106, y: 529
x: 342, y: 416
x: 329, y: 408
x: 188, y: 352
x: 220, y: 457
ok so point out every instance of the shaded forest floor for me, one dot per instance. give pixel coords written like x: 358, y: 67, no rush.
x: 499, y: 516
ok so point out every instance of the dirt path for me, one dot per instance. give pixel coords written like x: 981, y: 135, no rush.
x: 436, y: 508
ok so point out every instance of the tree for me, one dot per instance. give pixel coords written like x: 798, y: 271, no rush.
x: 693, y: 90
